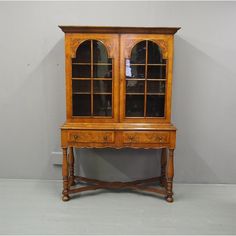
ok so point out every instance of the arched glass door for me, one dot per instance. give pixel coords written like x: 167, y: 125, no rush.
x: 92, y: 74
x: 145, y: 87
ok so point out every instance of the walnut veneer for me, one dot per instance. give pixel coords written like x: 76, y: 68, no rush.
x: 118, y: 94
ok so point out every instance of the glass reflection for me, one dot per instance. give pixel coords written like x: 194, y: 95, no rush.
x: 138, y: 55
x: 100, y: 53
x: 134, y: 86
x: 102, y: 71
x: 134, y: 71
x: 102, y: 86
x: 102, y: 105
x: 156, y: 86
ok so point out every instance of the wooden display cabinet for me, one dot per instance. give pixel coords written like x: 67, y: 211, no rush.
x: 118, y: 94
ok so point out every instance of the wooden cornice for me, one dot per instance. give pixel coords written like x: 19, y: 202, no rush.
x: 119, y: 30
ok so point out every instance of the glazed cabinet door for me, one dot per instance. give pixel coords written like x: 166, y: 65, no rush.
x: 146, y: 74
x: 92, y: 77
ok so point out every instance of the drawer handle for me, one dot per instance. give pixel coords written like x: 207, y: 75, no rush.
x: 76, y: 137
x: 105, y: 138
x: 131, y: 138
x: 159, y: 138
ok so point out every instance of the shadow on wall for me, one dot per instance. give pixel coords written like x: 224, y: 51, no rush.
x: 196, y: 104
x: 53, y: 72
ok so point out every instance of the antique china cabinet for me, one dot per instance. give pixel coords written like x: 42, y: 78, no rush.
x: 118, y: 94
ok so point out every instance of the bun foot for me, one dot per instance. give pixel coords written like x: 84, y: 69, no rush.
x: 169, y: 199
x: 162, y: 183
x: 65, y: 198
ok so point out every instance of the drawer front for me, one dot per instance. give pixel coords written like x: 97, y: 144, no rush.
x: 85, y: 136
x: 145, y: 137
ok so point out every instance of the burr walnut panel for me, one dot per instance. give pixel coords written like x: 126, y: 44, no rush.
x: 84, y: 136
x: 145, y: 137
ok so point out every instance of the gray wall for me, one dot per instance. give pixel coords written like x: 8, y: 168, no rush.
x: 32, y: 97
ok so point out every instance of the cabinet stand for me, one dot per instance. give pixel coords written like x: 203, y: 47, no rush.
x: 70, y: 181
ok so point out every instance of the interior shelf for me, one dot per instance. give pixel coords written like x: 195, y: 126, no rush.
x: 134, y: 64
x: 89, y: 64
x: 91, y: 78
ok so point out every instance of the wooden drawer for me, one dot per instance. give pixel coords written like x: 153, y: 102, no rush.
x: 85, y: 136
x: 145, y: 137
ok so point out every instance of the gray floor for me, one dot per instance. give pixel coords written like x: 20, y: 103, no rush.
x: 35, y: 207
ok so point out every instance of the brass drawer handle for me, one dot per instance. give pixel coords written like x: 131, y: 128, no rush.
x: 131, y: 138
x: 76, y: 137
x: 160, y: 138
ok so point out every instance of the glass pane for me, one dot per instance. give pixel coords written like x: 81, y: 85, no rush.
x: 154, y: 53
x: 102, y: 71
x: 135, y: 71
x: 134, y: 105
x: 81, y: 105
x: 138, y: 54
x: 81, y: 71
x: 155, y: 105
x: 134, y: 86
x: 156, y: 86
x: 100, y: 53
x: 102, y: 105
x: 156, y: 72
x: 83, y: 53
x: 81, y: 86
x: 102, y: 86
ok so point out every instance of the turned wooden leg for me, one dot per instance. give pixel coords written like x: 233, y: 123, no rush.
x: 71, y: 166
x: 169, y: 176
x: 163, y: 166
x: 65, y: 192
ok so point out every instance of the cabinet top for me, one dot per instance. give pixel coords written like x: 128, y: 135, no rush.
x: 118, y: 30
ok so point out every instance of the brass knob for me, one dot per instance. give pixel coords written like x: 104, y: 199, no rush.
x: 159, y: 138
x: 131, y: 138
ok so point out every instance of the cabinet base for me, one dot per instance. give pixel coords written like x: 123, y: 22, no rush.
x: 145, y: 185
x: 169, y: 199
